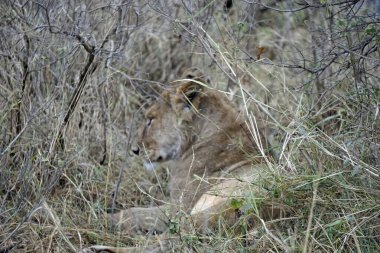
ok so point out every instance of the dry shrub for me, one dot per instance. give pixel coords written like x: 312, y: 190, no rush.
x: 318, y: 99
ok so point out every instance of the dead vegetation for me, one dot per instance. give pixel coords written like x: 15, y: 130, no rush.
x: 75, y: 77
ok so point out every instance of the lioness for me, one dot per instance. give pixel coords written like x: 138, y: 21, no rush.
x: 208, y: 148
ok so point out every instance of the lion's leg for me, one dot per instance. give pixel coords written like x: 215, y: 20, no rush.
x: 161, y: 244
x: 141, y: 220
x: 138, y: 220
x: 102, y: 249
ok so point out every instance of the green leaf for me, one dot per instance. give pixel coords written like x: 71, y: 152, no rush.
x: 370, y: 30
x: 276, y: 193
x: 242, y: 27
x: 173, y: 227
x: 61, y: 163
x: 237, y: 203
x: 341, y: 22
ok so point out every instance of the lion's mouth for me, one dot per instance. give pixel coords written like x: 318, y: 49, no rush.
x: 163, y: 154
x: 153, y: 160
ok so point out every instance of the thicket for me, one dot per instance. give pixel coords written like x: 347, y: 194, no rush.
x: 76, y: 75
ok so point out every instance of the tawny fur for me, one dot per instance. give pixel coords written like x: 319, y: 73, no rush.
x: 210, y: 153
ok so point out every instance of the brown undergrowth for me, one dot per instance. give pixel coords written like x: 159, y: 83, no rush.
x: 322, y: 119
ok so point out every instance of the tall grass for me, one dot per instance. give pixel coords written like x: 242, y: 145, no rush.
x: 97, y: 66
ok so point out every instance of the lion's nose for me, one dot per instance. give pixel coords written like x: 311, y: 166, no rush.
x: 136, y: 150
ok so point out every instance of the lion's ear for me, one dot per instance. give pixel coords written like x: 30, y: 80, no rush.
x: 190, y: 92
x: 187, y: 99
x: 197, y: 76
x: 194, y: 87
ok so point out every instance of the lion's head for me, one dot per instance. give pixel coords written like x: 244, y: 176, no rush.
x: 190, y: 118
x: 169, y: 126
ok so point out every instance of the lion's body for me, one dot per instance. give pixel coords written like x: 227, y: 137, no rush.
x: 211, y: 154
x: 214, y: 141
x: 202, y: 139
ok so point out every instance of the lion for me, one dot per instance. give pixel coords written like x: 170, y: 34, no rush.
x: 211, y: 153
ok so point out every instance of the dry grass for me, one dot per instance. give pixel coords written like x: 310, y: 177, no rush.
x: 326, y: 166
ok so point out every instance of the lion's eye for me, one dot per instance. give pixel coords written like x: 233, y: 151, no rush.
x: 149, y: 121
